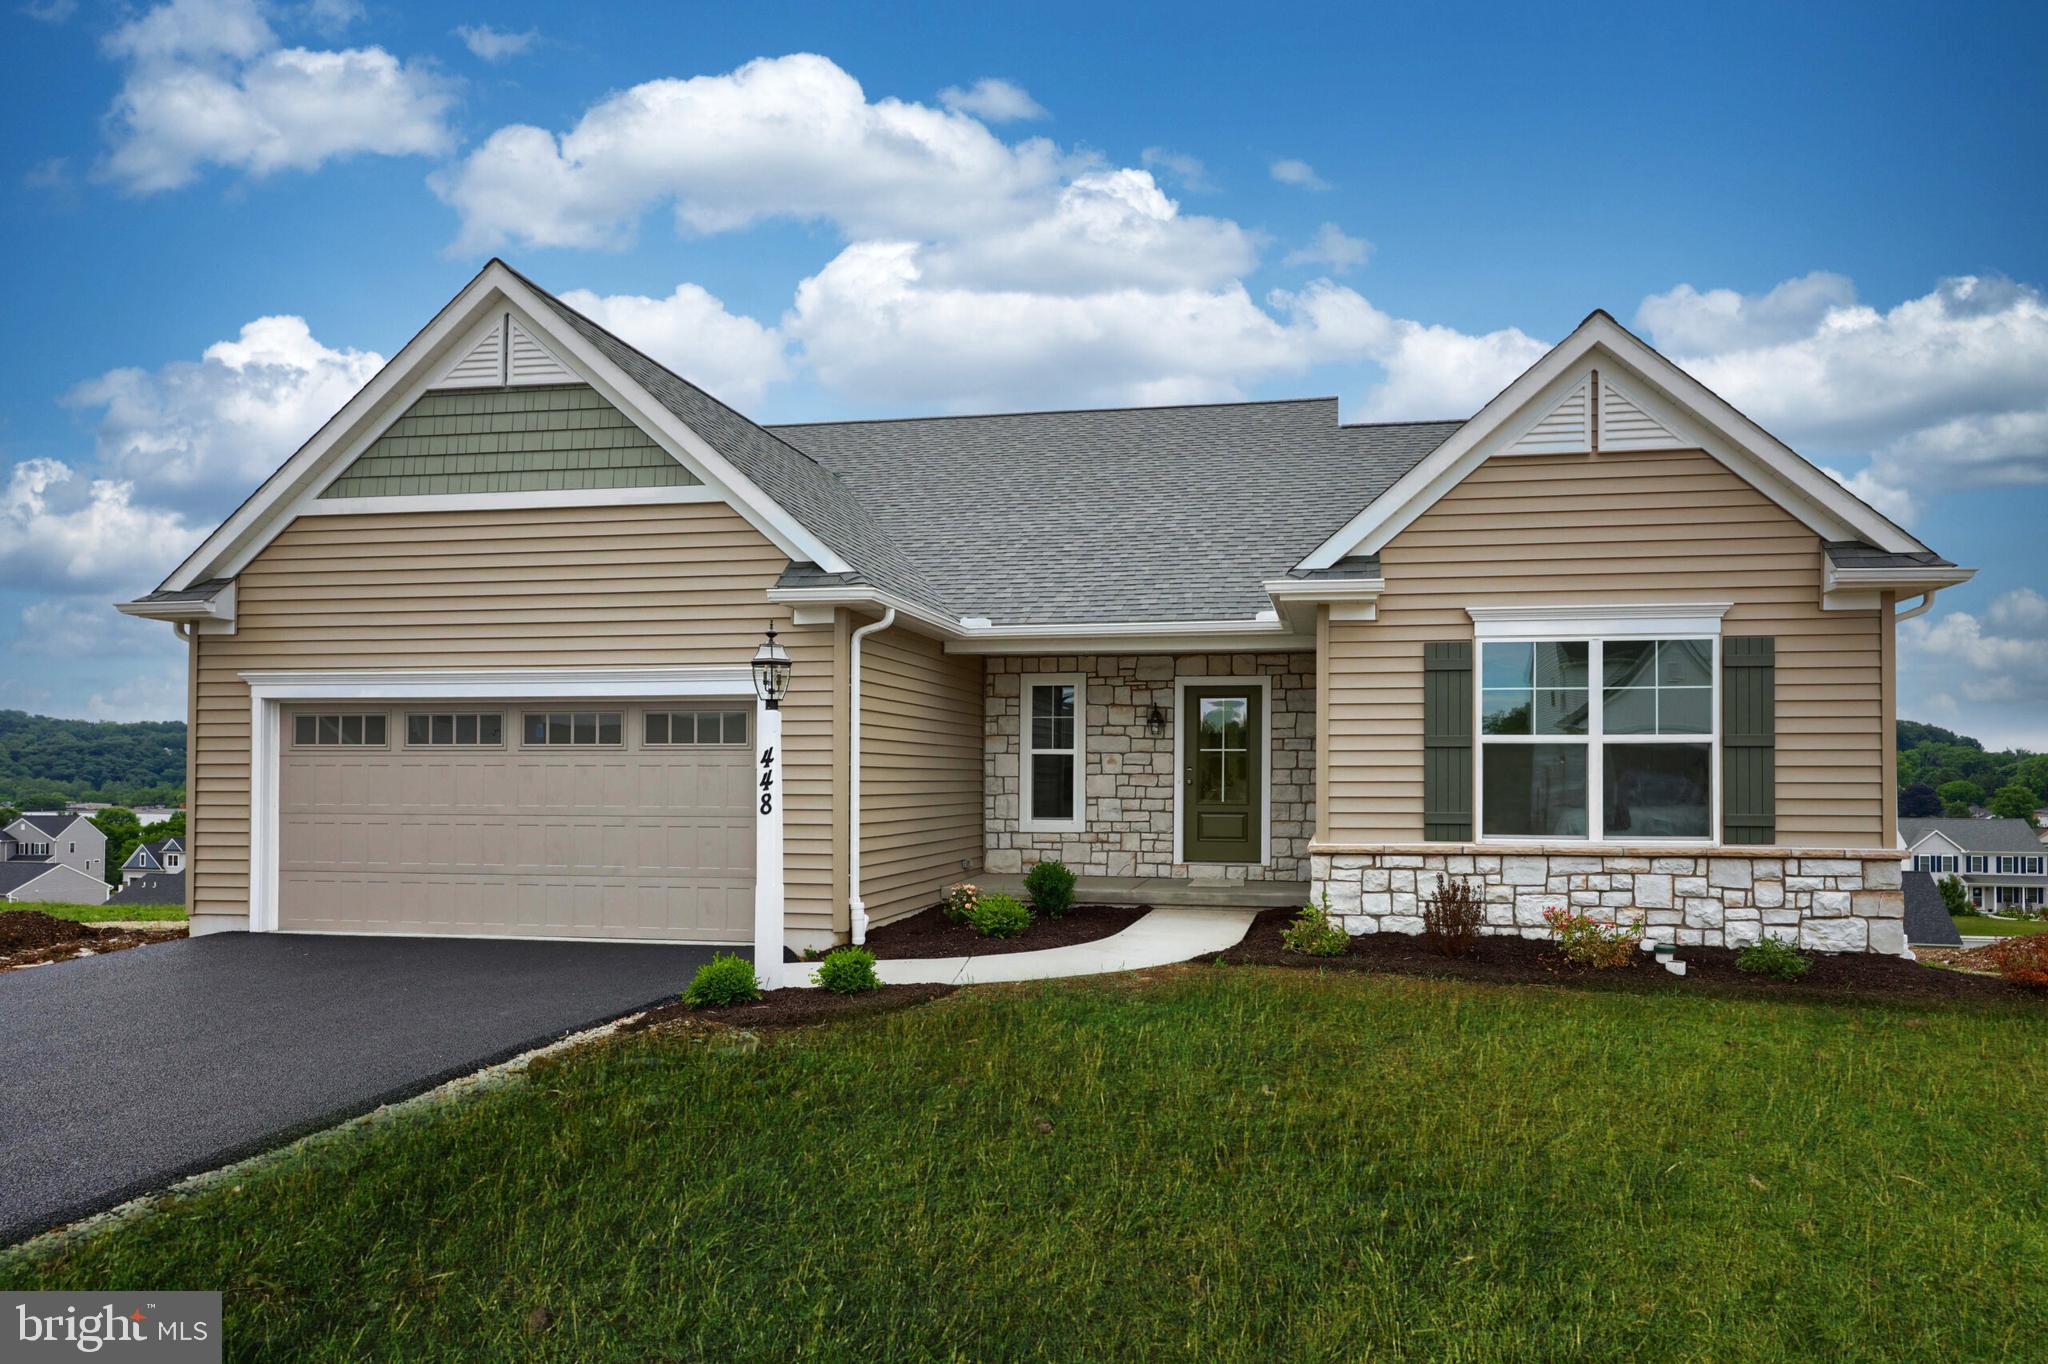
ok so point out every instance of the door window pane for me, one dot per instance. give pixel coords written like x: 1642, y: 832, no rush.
x: 1535, y: 790
x: 306, y: 729
x: 1052, y: 786
x: 443, y: 729
x: 1656, y: 790
x: 490, y: 728
x: 608, y: 728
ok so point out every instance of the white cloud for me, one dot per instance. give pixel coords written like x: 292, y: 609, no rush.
x: 199, y: 434
x: 1332, y: 247
x: 785, y: 137
x: 330, y: 16
x: 151, y: 694
x: 2001, y: 672
x: 1899, y: 504
x: 993, y: 100
x: 494, y: 45
x: 50, y: 11
x: 1187, y: 171
x: 57, y: 539
x: 88, y: 627
x: 1300, y: 174
x: 208, y: 84
x: 1684, y: 321
x: 732, y: 357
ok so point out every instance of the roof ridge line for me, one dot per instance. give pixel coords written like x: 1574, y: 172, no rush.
x: 1061, y: 412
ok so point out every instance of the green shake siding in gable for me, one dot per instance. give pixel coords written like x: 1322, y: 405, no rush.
x: 497, y: 440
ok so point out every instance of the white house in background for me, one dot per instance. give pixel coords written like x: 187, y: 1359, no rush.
x: 53, y: 859
x: 166, y: 855
x: 2001, y: 861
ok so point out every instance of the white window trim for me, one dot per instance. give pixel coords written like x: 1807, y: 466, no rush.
x: 1079, y: 823
x: 269, y: 692
x: 1180, y: 710
x: 1513, y: 625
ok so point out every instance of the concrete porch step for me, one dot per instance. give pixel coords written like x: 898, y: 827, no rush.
x: 1166, y: 892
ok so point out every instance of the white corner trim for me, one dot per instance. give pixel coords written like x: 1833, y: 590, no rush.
x: 1694, y: 412
x: 269, y: 691
x: 1264, y: 684
x: 1079, y: 823
x: 1624, y: 620
x: 552, y: 497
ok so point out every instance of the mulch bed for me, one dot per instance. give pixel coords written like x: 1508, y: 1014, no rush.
x: 929, y: 933
x: 790, y: 1008
x: 1507, y: 961
x: 29, y: 937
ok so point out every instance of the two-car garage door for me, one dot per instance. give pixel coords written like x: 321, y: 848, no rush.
x: 546, y: 819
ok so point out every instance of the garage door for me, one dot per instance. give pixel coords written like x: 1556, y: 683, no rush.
x: 546, y: 819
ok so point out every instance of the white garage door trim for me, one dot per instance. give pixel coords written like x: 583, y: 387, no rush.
x: 269, y: 691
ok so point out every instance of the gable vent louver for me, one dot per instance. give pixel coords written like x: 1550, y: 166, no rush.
x: 1624, y: 425
x: 1566, y: 429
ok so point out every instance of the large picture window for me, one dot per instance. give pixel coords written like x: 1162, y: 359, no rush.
x: 1054, y: 711
x: 1590, y: 738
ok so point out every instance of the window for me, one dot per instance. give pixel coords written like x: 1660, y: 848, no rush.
x: 2008, y: 866
x: 563, y: 728
x: 462, y: 729
x: 326, y: 731
x: 2035, y: 896
x: 1975, y: 863
x: 1611, y: 739
x: 1054, y: 707
x: 2034, y: 865
x: 668, y: 728
x: 1938, y: 865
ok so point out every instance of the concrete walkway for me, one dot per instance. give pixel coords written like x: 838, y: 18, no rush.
x: 1161, y: 938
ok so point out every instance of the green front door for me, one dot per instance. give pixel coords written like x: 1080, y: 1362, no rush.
x: 1223, y: 791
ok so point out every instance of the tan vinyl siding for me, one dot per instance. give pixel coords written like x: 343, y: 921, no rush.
x: 1597, y: 529
x: 555, y: 587
x: 921, y: 771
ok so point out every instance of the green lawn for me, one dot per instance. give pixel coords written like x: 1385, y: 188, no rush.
x: 1219, y: 1163
x: 1978, y: 923
x: 93, y: 914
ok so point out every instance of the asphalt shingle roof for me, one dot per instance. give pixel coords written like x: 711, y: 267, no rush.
x: 159, y: 888
x: 1125, y: 514
x: 1856, y: 554
x: 1975, y: 835
x: 1927, y: 918
x: 18, y: 872
x: 50, y: 825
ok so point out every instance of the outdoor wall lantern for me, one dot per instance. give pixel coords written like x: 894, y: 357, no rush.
x: 771, y: 671
x: 1155, y: 722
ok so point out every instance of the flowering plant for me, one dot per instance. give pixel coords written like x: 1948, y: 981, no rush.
x: 1587, y: 940
x: 959, y: 901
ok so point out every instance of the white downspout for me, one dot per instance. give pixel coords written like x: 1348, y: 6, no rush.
x: 1920, y: 608
x: 853, y: 901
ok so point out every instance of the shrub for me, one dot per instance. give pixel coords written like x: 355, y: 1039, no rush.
x: 999, y: 916
x: 959, y: 902
x: 2023, y: 959
x: 1589, y: 941
x: 725, y: 979
x: 1953, y: 895
x: 1774, y: 957
x: 1451, y: 918
x: 1051, y: 887
x: 849, y: 971
x: 1315, y: 932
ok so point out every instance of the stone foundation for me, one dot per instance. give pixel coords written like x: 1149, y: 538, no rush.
x: 1129, y: 776
x: 1821, y: 900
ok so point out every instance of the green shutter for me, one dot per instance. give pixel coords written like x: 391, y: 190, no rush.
x: 1749, y: 739
x: 1447, y: 742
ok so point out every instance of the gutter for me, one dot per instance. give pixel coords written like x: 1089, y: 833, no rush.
x: 857, y: 906
x: 1860, y: 589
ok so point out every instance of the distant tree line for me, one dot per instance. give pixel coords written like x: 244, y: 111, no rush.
x: 1945, y: 773
x: 45, y: 762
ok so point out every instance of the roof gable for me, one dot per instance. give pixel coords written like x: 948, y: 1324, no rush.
x: 1602, y: 388
x: 1971, y: 835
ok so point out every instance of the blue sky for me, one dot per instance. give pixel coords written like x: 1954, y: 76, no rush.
x: 221, y: 215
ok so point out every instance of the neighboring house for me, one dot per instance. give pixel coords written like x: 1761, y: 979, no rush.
x: 2000, y: 861
x: 58, y: 859
x: 152, y: 888
x: 152, y: 859
x: 475, y: 659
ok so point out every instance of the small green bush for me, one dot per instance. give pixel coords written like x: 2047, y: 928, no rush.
x: 959, y: 901
x: 725, y: 979
x: 999, y: 916
x: 1051, y: 887
x: 1315, y: 932
x: 1586, y: 939
x: 1774, y: 957
x: 1955, y: 897
x: 849, y: 971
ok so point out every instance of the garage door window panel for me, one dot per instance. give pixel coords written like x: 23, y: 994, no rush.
x: 676, y: 728
x: 574, y: 728
x: 338, y: 731
x: 456, y: 729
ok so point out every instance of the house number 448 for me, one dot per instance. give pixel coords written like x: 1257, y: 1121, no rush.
x: 768, y: 780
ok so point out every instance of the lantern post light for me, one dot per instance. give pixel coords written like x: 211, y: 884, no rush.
x: 771, y: 667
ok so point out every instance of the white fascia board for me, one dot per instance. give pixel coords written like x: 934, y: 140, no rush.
x: 869, y: 599
x: 1135, y: 637
x: 1326, y: 589
x: 1862, y: 589
x: 220, y: 607
x: 297, y: 483
x: 431, y: 684
x: 1623, y: 620
x: 1778, y: 471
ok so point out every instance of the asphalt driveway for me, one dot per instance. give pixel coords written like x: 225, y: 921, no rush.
x: 119, y: 1074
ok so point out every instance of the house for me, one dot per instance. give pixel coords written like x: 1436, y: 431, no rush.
x: 2001, y: 861
x: 53, y: 859
x: 477, y: 658
x: 154, y: 859
x: 151, y: 888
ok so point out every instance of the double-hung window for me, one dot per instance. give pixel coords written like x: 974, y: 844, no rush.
x: 1054, y: 710
x: 1935, y: 863
x: 1613, y: 739
x: 1975, y: 863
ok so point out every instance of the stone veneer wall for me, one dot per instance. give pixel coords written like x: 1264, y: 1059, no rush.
x: 1825, y: 900
x: 1129, y: 776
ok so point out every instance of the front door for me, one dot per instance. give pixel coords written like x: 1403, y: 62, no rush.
x: 1223, y: 779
